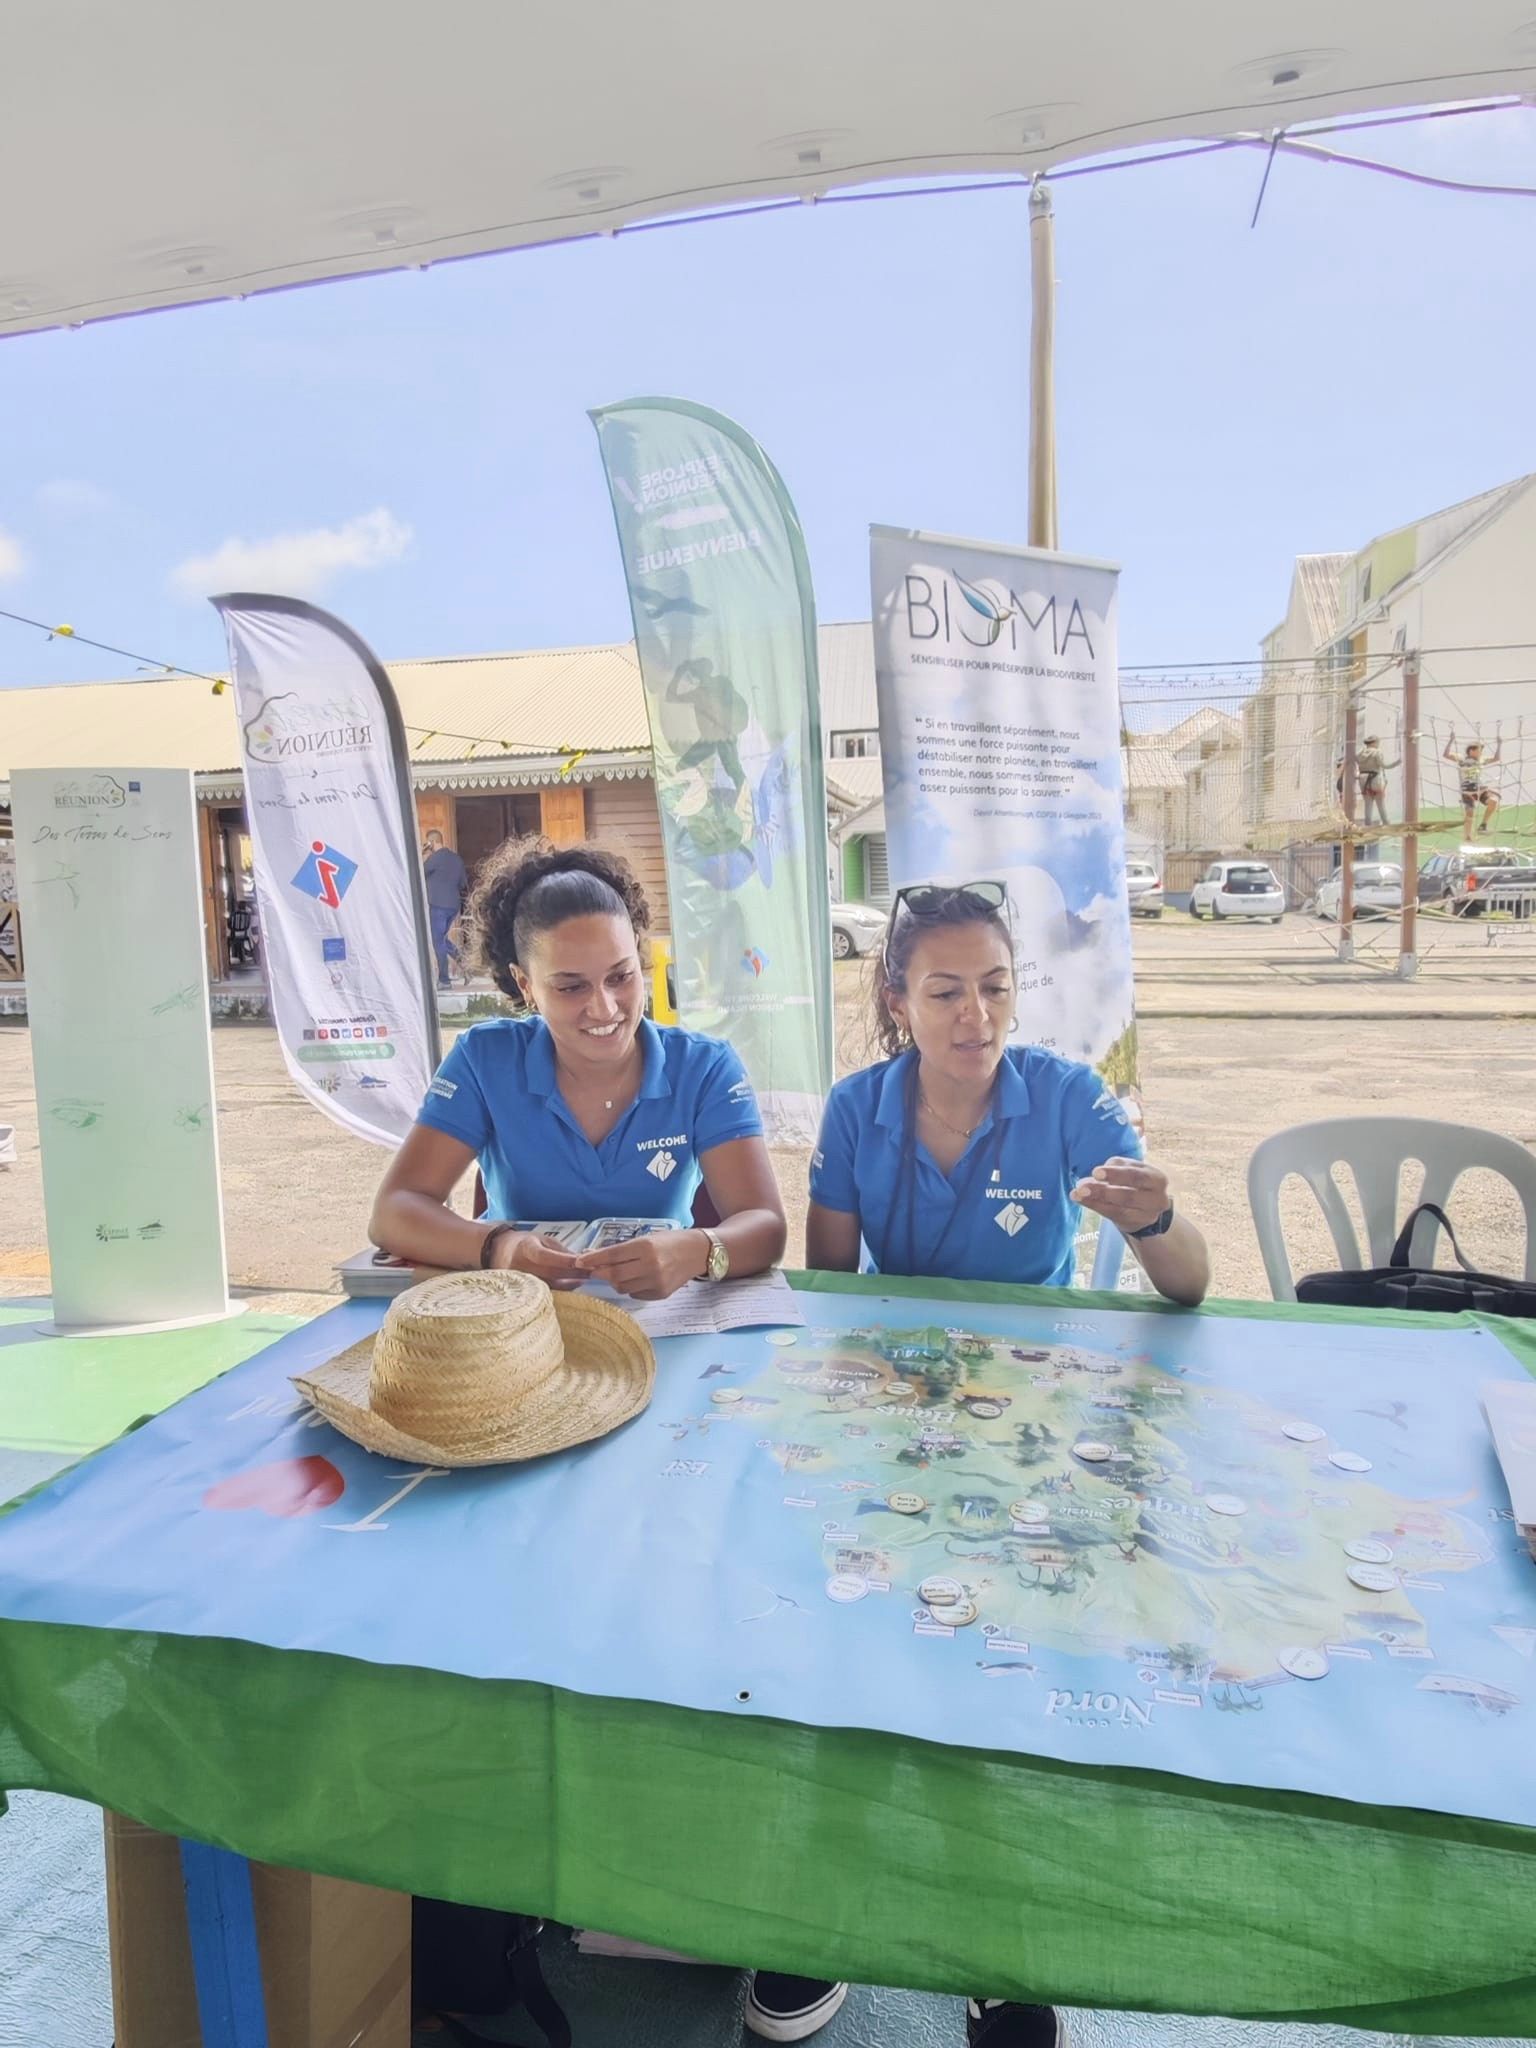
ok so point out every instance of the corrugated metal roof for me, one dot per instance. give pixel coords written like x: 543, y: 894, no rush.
x: 1199, y: 723
x: 1322, y: 583
x: 478, y: 707
x: 1149, y: 763
x: 862, y: 779
x: 847, y: 650
x: 469, y: 707
x: 1440, y: 535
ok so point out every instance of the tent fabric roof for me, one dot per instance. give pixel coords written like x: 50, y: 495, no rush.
x: 179, y: 152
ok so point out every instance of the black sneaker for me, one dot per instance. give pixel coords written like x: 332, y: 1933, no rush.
x: 998, y: 2023
x: 790, y: 2008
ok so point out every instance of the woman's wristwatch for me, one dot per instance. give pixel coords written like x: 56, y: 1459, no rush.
x: 1154, y: 1229
x: 718, y: 1264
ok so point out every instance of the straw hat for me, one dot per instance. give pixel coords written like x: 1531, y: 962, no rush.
x: 486, y: 1369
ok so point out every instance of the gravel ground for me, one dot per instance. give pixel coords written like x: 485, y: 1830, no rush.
x: 297, y: 1188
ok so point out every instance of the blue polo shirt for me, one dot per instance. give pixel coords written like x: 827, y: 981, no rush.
x: 497, y: 1093
x: 1004, y: 1213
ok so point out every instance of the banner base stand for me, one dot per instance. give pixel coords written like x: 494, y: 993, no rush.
x: 227, y: 1313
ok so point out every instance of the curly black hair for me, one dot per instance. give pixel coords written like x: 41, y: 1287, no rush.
x: 528, y: 886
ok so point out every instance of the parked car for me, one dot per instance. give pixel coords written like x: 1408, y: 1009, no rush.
x: 1378, y: 890
x: 856, y: 928
x: 1238, y: 888
x: 1467, y: 881
x: 1144, y: 887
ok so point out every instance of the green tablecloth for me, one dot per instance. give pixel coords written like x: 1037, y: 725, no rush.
x: 73, y: 1394
x: 837, y: 1852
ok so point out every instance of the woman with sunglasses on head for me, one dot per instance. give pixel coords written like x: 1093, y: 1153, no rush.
x: 961, y: 1157
x: 581, y: 1108
x: 964, y: 1157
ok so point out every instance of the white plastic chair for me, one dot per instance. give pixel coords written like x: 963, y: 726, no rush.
x: 1376, y: 1148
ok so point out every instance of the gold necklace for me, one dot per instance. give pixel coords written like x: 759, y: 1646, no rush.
x: 955, y: 1130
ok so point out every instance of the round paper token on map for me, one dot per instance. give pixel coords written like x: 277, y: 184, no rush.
x: 900, y: 1390
x: 1375, y: 1578
x: 726, y: 1397
x: 1369, y: 1553
x: 1349, y: 1461
x: 905, y: 1503
x: 783, y: 1338
x: 1304, y: 1663
x: 985, y: 1411
x: 1226, y: 1504
x: 1302, y: 1432
x: 1091, y: 1453
x: 940, y: 1592
x: 962, y: 1613
x: 845, y: 1588
x: 1028, y: 1511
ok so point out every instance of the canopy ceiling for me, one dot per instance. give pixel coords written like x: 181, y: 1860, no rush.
x: 155, y: 152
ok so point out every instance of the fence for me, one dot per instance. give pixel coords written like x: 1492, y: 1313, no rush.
x: 1296, y: 760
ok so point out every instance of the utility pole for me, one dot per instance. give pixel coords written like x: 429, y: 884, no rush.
x: 1407, y: 947
x: 1043, y: 531
x: 1347, y: 851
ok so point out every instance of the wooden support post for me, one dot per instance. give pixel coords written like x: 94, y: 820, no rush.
x: 1407, y: 950
x: 1347, y: 851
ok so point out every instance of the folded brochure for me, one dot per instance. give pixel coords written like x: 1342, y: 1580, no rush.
x: 701, y: 1308
x: 1510, y: 1408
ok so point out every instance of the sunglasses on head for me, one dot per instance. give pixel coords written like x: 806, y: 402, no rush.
x: 935, y: 899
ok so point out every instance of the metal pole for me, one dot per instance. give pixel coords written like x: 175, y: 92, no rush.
x: 1043, y: 532
x: 1347, y: 875
x: 1407, y: 954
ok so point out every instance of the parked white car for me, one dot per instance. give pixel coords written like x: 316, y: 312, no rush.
x: 1378, y: 890
x: 856, y: 928
x: 1144, y: 887
x: 1238, y: 888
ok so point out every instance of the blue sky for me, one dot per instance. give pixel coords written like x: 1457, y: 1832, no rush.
x: 415, y: 451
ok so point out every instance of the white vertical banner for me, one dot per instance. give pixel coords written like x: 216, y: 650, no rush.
x: 117, y: 1003
x: 999, y: 698
x: 337, y: 865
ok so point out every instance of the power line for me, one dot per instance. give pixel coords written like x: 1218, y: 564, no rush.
x: 1148, y: 668
x: 162, y: 668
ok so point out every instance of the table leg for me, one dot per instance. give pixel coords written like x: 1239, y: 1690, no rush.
x: 226, y: 1964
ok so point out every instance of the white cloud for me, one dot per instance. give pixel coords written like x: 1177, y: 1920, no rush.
x: 73, y: 495
x: 12, y: 561
x: 295, y: 564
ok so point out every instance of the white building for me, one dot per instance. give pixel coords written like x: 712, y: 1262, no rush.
x: 1460, y: 588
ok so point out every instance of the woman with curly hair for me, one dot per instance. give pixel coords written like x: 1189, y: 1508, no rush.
x: 581, y: 1108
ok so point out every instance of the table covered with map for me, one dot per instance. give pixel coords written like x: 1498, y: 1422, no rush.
x: 991, y: 1640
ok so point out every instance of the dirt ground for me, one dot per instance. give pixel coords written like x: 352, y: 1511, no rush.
x: 297, y: 1188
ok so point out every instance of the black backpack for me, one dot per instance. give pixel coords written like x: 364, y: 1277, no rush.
x: 471, y: 1959
x: 1399, y: 1285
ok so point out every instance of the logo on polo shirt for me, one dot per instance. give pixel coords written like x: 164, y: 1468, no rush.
x: 447, y: 1089
x: 1110, y: 1108
x: 663, y: 1165
x: 1012, y: 1219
